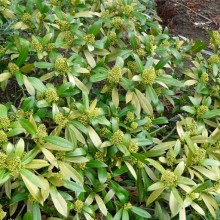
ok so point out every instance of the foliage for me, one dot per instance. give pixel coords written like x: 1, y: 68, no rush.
x: 112, y: 118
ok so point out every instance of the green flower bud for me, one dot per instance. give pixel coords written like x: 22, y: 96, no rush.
x: 13, y: 68
x: 60, y: 155
x: 170, y: 158
x: 41, y: 133
x: 214, y: 59
x: 132, y: 65
x: 149, y: 76
x: 115, y: 74
x: 36, y: 45
x: 61, y: 65
x: 134, y: 125
x: 117, y: 137
x: 14, y: 165
x: 64, y: 25
x: 81, y: 166
x: 169, y: 178
x: 50, y: 46
x: 4, y: 123
x: 201, y: 110
x: 128, y: 9
x: 55, y: 2
x: 214, y: 91
x: 2, y: 50
x: 127, y: 206
x: 93, y: 113
x: 68, y: 37
x: 117, y: 22
x: 89, y: 38
x: 3, y: 137
x: 130, y: 117
x: 105, y: 14
x: 140, y: 165
x: 199, y: 156
x: 2, y: 214
x: 133, y: 147
x: 148, y: 124
x: 215, y: 38
x: 104, y: 131
x: 158, y: 91
x: 3, y: 158
x: 60, y: 119
x: 141, y: 52
x: 99, y: 156
x: 84, y: 119
x: 204, y: 77
x: 26, y: 17
x: 51, y: 95
x: 78, y: 205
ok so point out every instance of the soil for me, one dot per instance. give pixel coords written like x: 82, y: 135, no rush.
x: 190, y: 18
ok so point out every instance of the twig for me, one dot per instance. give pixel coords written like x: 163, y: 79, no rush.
x: 168, y: 135
x: 210, y: 21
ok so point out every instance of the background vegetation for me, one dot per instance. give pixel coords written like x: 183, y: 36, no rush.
x: 104, y: 115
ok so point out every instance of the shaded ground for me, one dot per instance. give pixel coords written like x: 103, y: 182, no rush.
x: 190, y: 18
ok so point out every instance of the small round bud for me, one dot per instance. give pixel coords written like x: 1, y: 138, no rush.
x: 134, y: 125
x: 84, y: 119
x: 170, y: 158
x: 199, y: 156
x: 133, y: 147
x: 117, y: 137
x: 149, y: 76
x: 60, y: 119
x: 89, y: 38
x: 4, y: 123
x: 14, y: 165
x: 60, y: 155
x: 214, y: 59
x: 128, y: 9
x: 127, y: 206
x: 99, y: 156
x: 117, y: 22
x: 3, y: 158
x: 130, y: 117
x: 141, y: 52
x: 3, y: 137
x: 169, y: 178
x: 78, y: 205
x: 204, y: 77
x: 201, y: 110
x: 13, y: 68
x: 2, y: 50
x: 93, y: 113
x: 115, y: 74
x: 61, y: 65
x: 26, y: 17
x: 36, y: 45
x: 50, y: 46
x: 51, y: 95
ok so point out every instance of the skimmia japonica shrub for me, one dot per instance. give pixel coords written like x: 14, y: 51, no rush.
x: 104, y: 115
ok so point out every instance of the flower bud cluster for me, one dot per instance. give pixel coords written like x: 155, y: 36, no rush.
x: 112, y: 36
x: 51, y: 95
x: 117, y: 22
x: 204, y: 77
x: 169, y: 178
x: 60, y: 119
x: 199, y: 156
x: 134, y: 125
x: 214, y: 91
x: 117, y: 137
x: 3, y: 158
x: 130, y: 117
x: 78, y: 205
x: 127, y: 206
x: 201, y: 110
x: 133, y: 147
x: 99, y: 156
x: 89, y: 38
x: 55, y: 2
x: 13, y: 68
x: 148, y: 124
x: 141, y: 52
x: 170, y: 158
x: 3, y: 137
x: 105, y: 14
x: 4, y: 123
x: 132, y: 65
x: 68, y: 38
x: 104, y: 131
x: 216, y: 38
x: 41, y: 133
x: 214, y: 59
x: 93, y: 113
x: 26, y: 17
x: 36, y: 45
x: 84, y: 119
x: 60, y: 155
x: 81, y: 166
x: 64, y: 25
x: 14, y: 165
x: 149, y: 76
x: 2, y: 50
x: 115, y: 74
x: 50, y: 46
x: 140, y: 164
x: 61, y: 65
x: 128, y: 9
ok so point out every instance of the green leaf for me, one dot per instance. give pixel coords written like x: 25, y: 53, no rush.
x: 95, y: 28
x: 45, y: 65
x: 28, y: 126
x: 3, y: 111
x: 37, y: 84
x: 98, y: 77
x: 58, y: 141
x: 211, y: 114
x: 58, y: 201
x: 170, y: 81
x: 140, y: 212
x: 139, y: 62
x: 125, y: 215
x: 163, y: 61
x: 23, y: 54
x: 94, y: 137
x: 75, y: 187
x: 101, y: 205
x: 96, y: 164
x: 152, y: 94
